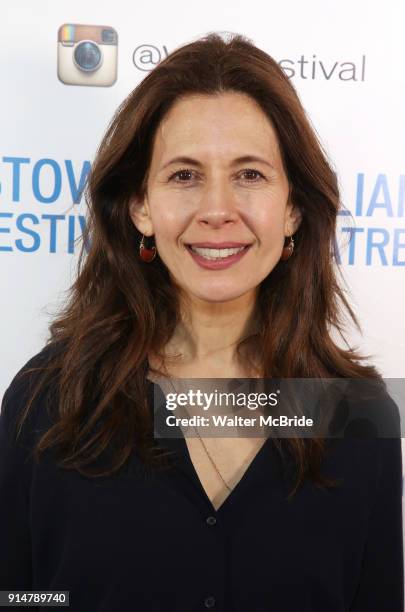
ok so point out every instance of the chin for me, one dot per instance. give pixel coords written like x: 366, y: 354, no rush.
x: 219, y: 294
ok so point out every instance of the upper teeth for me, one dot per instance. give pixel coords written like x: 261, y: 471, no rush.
x: 216, y: 253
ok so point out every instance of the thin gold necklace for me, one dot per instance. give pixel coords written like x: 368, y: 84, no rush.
x: 206, y: 450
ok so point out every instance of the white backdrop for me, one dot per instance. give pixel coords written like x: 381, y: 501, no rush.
x: 346, y: 61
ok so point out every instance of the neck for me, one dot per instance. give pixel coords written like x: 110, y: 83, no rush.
x: 210, y: 331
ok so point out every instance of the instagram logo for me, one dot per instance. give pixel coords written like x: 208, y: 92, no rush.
x: 87, y: 55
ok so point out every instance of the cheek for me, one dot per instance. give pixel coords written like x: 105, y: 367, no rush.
x: 266, y: 222
x: 168, y: 214
x: 163, y: 217
x: 168, y: 227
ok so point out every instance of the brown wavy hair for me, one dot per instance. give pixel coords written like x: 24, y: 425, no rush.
x: 120, y: 309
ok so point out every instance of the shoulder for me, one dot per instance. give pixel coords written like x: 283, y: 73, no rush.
x: 366, y: 410
x: 20, y: 391
x: 365, y: 437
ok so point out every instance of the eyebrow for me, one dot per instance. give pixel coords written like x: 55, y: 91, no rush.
x: 245, y: 159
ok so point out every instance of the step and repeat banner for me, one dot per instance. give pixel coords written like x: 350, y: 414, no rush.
x: 67, y: 65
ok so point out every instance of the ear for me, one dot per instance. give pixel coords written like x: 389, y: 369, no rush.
x: 139, y: 213
x: 292, y: 219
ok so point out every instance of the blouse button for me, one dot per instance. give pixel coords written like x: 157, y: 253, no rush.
x: 211, y: 520
x: 209, y: 602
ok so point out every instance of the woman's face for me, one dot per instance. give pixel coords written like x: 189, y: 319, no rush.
x: 216, y: 181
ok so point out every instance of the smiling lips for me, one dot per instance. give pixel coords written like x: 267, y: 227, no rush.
x: 217, y: 256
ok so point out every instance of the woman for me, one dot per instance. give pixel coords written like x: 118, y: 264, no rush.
x: 208, y: 254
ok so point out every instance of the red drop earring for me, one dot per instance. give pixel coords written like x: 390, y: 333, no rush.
x: 146, y: 254
x: 287, y: 250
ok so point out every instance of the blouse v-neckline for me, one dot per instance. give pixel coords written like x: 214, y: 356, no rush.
x: 176, y: 442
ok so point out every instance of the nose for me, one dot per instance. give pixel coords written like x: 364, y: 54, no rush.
x: 217, y: 205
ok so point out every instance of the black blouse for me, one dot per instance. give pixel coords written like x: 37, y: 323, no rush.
x: 156, y: 543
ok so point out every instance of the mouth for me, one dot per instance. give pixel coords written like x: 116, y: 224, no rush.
x: 215, y: 256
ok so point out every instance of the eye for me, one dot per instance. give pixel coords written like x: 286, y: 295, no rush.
x: 250, y: 171
x: 183, y: 172
x: 178, y: 174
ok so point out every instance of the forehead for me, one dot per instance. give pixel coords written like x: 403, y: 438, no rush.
x: 226, y: 123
